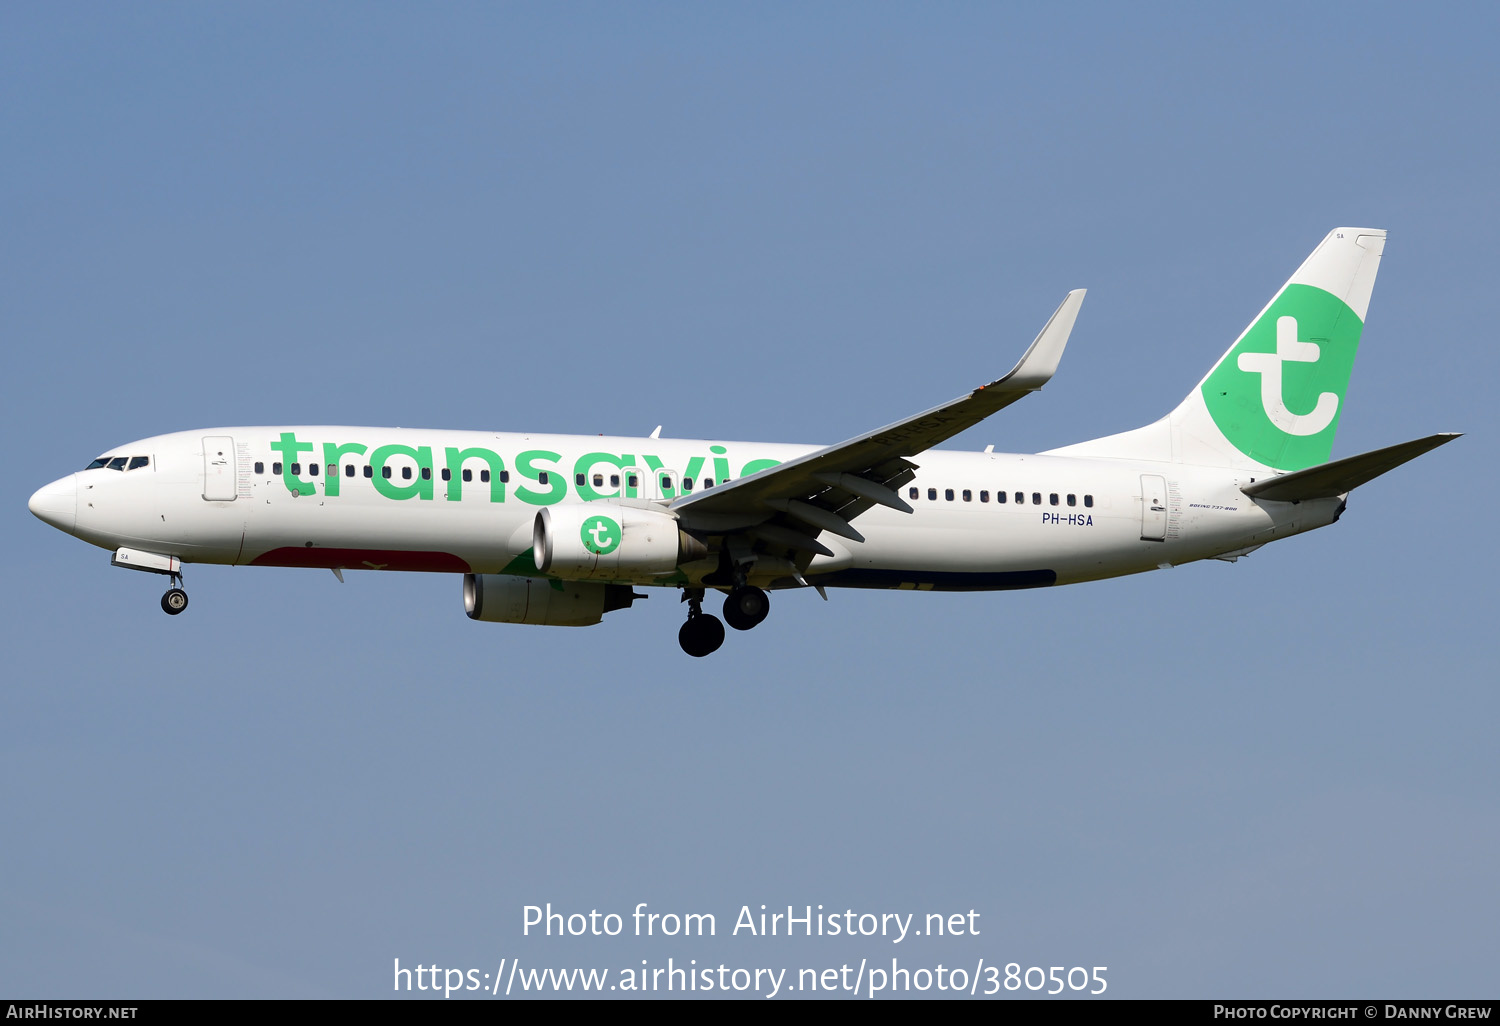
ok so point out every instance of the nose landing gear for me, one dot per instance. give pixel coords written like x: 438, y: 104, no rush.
x: 703, y: 633
x: 170, y: 567
x: 175, y: 600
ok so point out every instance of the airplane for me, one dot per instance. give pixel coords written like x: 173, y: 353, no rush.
x: 562, y: 529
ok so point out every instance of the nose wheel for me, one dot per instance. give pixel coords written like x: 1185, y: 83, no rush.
x: 703, y: 633
x: 175, y: 600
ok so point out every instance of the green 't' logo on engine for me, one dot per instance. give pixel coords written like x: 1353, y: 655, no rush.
x: 1278, y: 395
x: 601, y: 535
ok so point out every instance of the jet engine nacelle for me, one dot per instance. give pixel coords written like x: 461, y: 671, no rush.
x: 504, y: 598
x: 604, y: 540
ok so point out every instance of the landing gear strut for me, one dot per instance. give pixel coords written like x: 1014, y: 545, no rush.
x: 745, y: 607
x: 175, y: 600
x: 703, y: 633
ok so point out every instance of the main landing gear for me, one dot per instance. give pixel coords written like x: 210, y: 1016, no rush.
x: 175, y: 600
x: 744, y: 607
x: 703, y: 633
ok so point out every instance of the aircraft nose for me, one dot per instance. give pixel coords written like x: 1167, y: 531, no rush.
x: 57, y: 503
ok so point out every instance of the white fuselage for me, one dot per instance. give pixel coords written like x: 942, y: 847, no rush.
x: 392, y: 498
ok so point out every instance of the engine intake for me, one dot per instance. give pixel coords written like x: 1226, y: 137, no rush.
x: 605, y: 540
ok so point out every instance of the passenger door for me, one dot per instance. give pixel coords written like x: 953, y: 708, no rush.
x: 220, y: 472
x: 1153, y: 508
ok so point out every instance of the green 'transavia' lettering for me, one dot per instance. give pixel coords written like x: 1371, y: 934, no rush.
x: 539, y: 466
x: 585, y: 465
x: 289, y: 447
x: 557, y: 482
x: 333, y: 455
x: 493, y: 463
x: 421, y: 485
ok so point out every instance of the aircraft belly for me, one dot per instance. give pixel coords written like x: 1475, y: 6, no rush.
x: 959, y: 551
x: 991, y: 545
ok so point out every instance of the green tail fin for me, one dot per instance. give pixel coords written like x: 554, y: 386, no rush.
x: 1274, y: 400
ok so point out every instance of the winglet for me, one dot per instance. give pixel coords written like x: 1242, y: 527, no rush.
x: 1040, y: 362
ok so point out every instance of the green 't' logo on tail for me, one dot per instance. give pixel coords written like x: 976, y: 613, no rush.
x: 1278, y: 394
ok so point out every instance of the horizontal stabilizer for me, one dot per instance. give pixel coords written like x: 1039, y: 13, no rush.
x: 1333, y: 479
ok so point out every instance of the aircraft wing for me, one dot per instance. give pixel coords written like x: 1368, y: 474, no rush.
x: 826, y: 489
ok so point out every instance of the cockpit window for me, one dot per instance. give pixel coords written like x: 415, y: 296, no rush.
x: 120, y: 463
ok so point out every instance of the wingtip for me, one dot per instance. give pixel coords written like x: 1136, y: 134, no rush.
x: 1040, y: 361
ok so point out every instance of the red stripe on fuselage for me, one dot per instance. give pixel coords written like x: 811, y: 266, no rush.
x: 363, y: 559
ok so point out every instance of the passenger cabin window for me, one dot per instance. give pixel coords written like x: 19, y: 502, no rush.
x: 484, y: 475
x: 912, y: 493
x: 260, y: 468
x: 932, y: 494
x: 426, y: 473
x: 276, y: 468
x: 614, y: 480
x: 708, y: 482
x: 968, y: 495
x: 984, y: 496
x: 348, y: 470
x: 1088, y: 500
x: 369, y: 470
x: 598, y: 480
x: 312, y: 470
x: 468, y: 475
x: 687, y: 484
x: 542, y: 478
x: 1000, y: 496
x: 1052, y: 498
x: 631, y: 480
x: 1036, y: 498
x: 447, y: 474
x: 578, y: 479
x: 1020, y: 498
x: 1072, y: 499
x: 948, y: 494
x: 385, y: 472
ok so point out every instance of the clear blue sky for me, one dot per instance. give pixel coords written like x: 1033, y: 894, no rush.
x: 1274, y: 779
